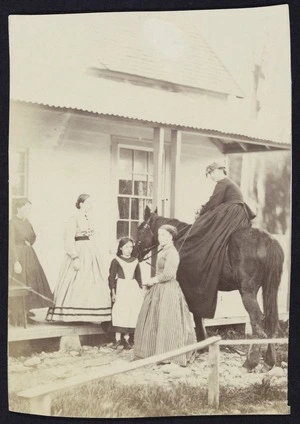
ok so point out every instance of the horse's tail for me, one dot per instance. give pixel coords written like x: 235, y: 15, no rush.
x: 270, y: 284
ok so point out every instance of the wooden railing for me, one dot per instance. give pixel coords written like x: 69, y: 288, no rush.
x: 40, y: 397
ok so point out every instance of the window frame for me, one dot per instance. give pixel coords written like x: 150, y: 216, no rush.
x: 132, y: 195
x: 118, y: 143
x: 12, y: 197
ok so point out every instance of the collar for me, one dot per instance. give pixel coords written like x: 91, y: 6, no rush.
x: 223, y: 179
x: 167, y: 246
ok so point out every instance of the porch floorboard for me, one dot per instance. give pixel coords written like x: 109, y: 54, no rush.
x: 44, y: 330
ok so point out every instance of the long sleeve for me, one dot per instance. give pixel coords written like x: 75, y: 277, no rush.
x: 216, y: 198
x: 138, y: 275
x: 170, y: 267
x: 70, y: 232
x: 32, y: 236
x: 13, y: 256
x: 113, y: 272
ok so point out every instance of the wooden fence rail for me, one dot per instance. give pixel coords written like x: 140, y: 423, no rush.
x: 40, y: 397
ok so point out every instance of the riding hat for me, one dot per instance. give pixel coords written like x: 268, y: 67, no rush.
x: 215, y: 165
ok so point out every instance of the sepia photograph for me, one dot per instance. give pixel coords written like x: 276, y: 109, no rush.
x: 150, y: 162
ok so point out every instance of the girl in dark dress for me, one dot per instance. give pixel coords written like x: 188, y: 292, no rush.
x: 203, y: 250
x: 125, y: 283
x: 24, y: 266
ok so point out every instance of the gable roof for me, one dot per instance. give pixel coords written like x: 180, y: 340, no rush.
x: 166, y: 49
x: 159, y: 46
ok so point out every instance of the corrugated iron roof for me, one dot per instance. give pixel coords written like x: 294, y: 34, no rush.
x: 98, y: 95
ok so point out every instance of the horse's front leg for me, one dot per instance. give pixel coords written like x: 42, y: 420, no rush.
x: 200, y: 328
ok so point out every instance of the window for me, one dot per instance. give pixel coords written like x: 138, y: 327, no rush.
x: 135, y: 188
x: 18, y: 173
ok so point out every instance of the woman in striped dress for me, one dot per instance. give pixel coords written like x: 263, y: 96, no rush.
x: 164, y: 322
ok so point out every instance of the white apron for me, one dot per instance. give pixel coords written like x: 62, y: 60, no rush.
x: 129, y: 297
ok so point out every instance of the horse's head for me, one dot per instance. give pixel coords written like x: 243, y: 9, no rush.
x: 145, y: 237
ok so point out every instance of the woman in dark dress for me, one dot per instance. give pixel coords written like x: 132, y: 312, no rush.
x: 203, y: 250
x: 24, y: 266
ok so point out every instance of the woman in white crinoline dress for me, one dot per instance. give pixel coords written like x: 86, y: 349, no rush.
x: 81, y: 294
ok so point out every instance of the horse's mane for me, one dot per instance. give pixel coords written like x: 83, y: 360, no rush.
x: 157, y: 221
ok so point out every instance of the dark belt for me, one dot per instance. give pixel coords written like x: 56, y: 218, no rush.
x: 78, y: 238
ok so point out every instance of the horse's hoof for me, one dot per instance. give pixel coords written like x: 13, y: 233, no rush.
x: 198, y: 354
x: 266, y: 368
x: 248, y: 365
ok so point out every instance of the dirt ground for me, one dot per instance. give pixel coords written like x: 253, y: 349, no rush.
x: 48, y: 366
x: 39, y: 362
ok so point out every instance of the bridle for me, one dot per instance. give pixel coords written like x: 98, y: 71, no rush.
x: 149, y: 249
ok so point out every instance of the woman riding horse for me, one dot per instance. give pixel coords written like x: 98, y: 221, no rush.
x: 224, y: 213
x: 222, y: 252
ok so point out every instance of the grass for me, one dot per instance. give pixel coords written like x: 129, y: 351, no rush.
x: 108, y: 399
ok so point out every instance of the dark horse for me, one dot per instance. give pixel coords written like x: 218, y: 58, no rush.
x: 254, y: 259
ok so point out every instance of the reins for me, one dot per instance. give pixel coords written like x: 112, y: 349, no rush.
x: 31, y: 290
x: 149, y: 249
x: 187, y: 233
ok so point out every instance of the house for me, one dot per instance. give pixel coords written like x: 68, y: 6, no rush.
x: 127, y: 108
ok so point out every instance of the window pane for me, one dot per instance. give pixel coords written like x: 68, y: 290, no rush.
x: 140, y: 187
x: 150, y: 163
x: 140, y: 162
x: 137, y: 209
x: 125, y: 163
x: 123, y: 204
x: 122, y: 229
x: 150, y: 188
x: 134, y: 208
x: 18, y: 185
x: 125, y: 187
x: 133, y: 232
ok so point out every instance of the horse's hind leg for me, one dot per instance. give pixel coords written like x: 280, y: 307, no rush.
x: 257, y: 322
x: 249, y: 298
x: 270, y: 356
x: 253, y: 357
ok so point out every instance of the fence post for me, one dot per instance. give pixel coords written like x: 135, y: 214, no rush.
x: 213, y: 378
x: 248, y: 328
x: 40, y: 405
